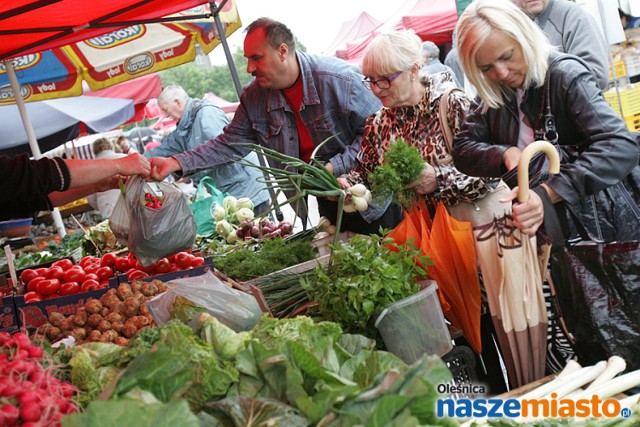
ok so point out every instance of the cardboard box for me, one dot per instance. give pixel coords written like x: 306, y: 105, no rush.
x: 322, y: 244
x: 36, y: 314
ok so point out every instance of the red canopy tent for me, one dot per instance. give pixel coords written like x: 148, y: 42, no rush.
x: 141, y: 90
x: 432, y: 20
x: 30, y: 26
x: 352, y: 29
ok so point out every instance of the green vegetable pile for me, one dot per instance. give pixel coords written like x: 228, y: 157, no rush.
x: 365, y: 275
x: 401, y: 166
x: 284, y: 372
x: 246, y: 263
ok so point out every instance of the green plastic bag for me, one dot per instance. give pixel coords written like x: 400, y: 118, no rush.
x: 203, y: 205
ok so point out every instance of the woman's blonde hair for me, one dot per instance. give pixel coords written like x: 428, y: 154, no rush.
x: 478, y: 21
x: 391, y: 52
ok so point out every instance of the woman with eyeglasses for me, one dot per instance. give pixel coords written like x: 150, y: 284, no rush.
x: 411, y: 101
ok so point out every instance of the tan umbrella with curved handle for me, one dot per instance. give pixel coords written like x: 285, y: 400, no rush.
x: 513, y: 267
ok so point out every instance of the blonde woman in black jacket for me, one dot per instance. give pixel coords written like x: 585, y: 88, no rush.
x: 507, y: 58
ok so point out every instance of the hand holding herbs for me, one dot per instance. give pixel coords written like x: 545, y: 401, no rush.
x: 366, y: 274
x: 401, y: 166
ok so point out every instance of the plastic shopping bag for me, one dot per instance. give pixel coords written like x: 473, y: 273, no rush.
x: 236, y: 309
x: 203, y: 205
x: 154, y: 232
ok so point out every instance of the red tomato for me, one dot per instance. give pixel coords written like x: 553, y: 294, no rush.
x: 162, y: 266
x: 87, y: 260
x: 32, y: 297
x: 55, y: 273
x: 41, y: 271
x: 65, y: 264
x: 74, y: 274
x: 197, y: 261
x: 108, y: 259
x: 147, y: 269
x: 89, y: 285
x: 122, y: 264
x: 69, y: 288
x: 48, y: 287
x: 175, y: 267
x: 91, y: 268
x: 183, y: 259
x: 32, y: 285
x: 136, y: 275
x: 104, y: 273
x: 91, y: 276
x: 27, y: 275
x: 104, y: 284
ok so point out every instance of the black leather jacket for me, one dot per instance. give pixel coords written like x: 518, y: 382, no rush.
x: 598, y: 150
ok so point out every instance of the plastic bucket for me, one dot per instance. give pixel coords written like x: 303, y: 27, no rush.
x: 415, y: 326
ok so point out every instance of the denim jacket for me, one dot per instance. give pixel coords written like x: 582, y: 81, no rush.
x: 195, y: 129
x: 335, y: 105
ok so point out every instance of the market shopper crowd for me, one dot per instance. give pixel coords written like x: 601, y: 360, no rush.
x: 524, y: 59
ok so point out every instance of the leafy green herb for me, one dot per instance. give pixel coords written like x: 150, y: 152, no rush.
x: 401, y: 166
x: 366, y: 274
x: 245, y: 263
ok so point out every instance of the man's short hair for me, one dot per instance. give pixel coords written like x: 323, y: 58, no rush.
x: 275, y: 32
x: 430, y: 50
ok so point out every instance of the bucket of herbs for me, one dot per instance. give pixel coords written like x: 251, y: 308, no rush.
x: 366, y: 274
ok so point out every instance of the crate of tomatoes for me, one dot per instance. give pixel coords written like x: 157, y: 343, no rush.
x: 128, y: 268
x: 62, y: 287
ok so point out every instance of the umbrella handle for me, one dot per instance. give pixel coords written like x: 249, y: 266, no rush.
x: 523, y: 165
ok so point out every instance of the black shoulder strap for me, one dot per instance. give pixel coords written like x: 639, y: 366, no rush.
x: 550, y: 133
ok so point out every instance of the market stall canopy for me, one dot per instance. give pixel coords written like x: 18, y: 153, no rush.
x: 432, y: 20
x: 351, y: 30
x: 115, y: 57
x: 32, y: 26
x: 59, y: 120
x: 140, y: 90
x: 223, y: 104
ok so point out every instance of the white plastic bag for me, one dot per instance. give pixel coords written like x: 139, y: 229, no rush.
x: 236, y: 309
x: 153, y: 233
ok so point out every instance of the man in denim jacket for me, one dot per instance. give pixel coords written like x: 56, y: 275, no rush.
x: 198, y: 121
x: 330, y: 98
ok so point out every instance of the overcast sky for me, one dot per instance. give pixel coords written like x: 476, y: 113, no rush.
x: 315, y: 24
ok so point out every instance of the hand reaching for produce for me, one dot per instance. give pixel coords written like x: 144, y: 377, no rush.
x: 162, y: 167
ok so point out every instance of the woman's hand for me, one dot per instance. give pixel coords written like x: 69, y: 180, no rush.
x: 527, y: 216
x: 511, y: 157
x: 426, y: 182
x: 344, y: 184
x: 134, y: 164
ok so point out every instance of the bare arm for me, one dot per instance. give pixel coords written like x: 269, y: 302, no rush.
x: 90, y: 172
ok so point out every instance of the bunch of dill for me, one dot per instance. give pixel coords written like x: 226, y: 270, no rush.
x: 401, y: 166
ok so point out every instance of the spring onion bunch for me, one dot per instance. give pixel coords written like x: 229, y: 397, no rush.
x: 306, y: 179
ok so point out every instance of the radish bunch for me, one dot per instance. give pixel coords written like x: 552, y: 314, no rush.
x: 29, y: 394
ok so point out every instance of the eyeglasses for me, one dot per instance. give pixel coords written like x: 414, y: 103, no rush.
x: 383, y: 83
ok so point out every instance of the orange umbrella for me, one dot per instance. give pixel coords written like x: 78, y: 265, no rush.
x: 449, y: 244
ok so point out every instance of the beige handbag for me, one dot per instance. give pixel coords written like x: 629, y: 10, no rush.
x: 480, y: 211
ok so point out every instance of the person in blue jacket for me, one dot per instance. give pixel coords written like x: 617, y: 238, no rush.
x: 198, y: 122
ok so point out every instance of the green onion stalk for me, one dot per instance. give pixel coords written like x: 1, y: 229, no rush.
x: 302, y: 178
